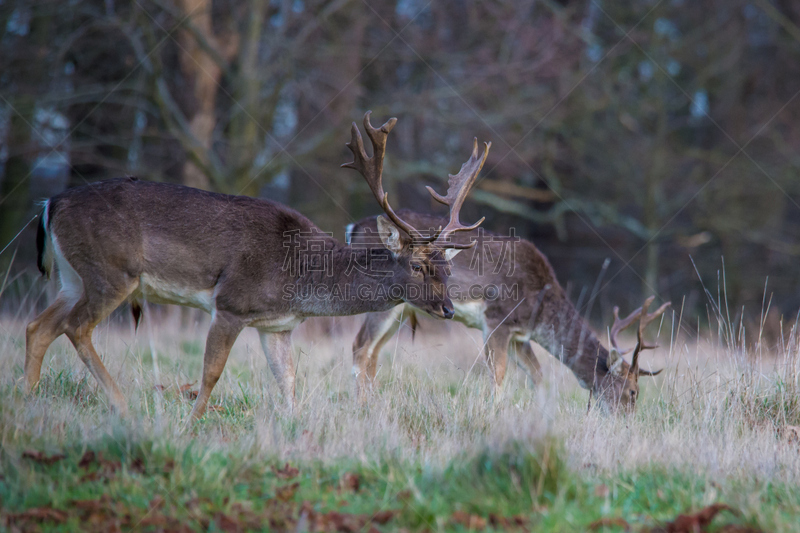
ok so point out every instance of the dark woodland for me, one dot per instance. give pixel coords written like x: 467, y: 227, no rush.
x: 661, y: 135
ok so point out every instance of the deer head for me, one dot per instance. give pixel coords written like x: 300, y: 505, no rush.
x: 619, y: 388
x: 418, y: 261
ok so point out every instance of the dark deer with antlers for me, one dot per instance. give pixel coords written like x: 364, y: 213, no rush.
x: 248, y: 262
x: 533, y: 307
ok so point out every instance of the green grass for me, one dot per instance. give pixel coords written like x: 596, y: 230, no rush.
x: 431, y: 451
x: 197, y: 486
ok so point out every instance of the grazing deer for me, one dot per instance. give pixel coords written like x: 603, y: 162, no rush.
x: 246, y: 261
x: 514, y: 300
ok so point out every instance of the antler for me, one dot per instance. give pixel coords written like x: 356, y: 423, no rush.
x: 644, y: 319
x: 457, y: 190
x: 372, y: 168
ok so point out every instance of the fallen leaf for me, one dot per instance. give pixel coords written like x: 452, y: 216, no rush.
x: 40, y: 514
x: 87, y: 459
x: 469, y: 521
x: 190, y: 395
x: 286, y: 472
x: 286, y: 492
x: 311, y: 520
x: 137, y: 465
x: 155, y: 519
x: 157, y: 502
x: 159, y: 388
x: 41, y: 458
x: 106, y: 468
x: 791, y: 433
x: 215, y: 408
x: 609, y: 522
x: 350, y: 481
x: 507, y: 522
x: 697, y: 522
x: 382, y: 517
x: 601, y: 491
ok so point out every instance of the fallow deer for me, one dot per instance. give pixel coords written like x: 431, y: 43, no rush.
x: 525, y: 303
x: 246, y: 261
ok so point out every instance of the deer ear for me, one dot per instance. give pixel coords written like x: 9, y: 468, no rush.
x: 614, y: 361
x: 450, y: 253
x: 390, y: 235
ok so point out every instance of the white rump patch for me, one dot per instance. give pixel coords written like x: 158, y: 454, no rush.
x: 71, y: 282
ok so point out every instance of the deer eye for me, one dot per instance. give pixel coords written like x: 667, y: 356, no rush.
x: 416, y: 267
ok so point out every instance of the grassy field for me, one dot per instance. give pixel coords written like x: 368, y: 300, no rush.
x: 432, y: 450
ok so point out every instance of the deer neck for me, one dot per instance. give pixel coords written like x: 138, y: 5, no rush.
x: 563, y: 333
x: 332, y: 279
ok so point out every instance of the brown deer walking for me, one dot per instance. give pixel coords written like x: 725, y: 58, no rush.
x: 248, y: 262
x: 513, y: 300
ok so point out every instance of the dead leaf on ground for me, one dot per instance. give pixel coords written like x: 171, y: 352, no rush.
x: 187, y: 386
x: 382, y: 517
x: 469, y: 521
x: 137, y: 465
x: 508, y: 522
x: 609, y: 522
x: 286, y: 471
x: 87, y: 459
x: 106, y: 468
x: 215, y: 408
x: 229, y: 524
x: 791, y: 434
x: 286, y: 492
x: 602, y: 491
x: 695, y: 522
x: 350, y: 481
x: 157, y: 502
x: 41, y: 458
x: 335, y: 521
x: 738, y: 529
x: 39, y: 514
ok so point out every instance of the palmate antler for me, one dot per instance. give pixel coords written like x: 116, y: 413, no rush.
x: 644, y: 319
x: 372, y: 170
x: 457, y: 191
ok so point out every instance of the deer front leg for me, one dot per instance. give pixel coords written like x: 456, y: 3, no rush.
x: 525, y: 355
x: 278, y: 349
x: 376, y: 331
x: 496, y: 349
x: 225, y: 328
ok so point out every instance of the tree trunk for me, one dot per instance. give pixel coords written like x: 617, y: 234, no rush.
x: 203, y: 73
x: 15, y: 187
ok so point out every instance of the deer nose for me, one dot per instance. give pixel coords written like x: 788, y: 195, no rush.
x: 448, y: 312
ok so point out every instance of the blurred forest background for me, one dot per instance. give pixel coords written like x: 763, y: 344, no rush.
x: 652, y: 133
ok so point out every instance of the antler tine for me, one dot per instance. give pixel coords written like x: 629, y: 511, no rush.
x: 457, y: 191
x: 372, y: 168
x: 621, y: 325
x: 644, y: 320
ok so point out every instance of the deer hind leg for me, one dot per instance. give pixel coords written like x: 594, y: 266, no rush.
x: 224, y: 330
x: 375, y: 332
x: 95, y: 305
x: 39, y: 335
x: 496, y: 344
x: 525, y: 355
x: 278, y: 350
